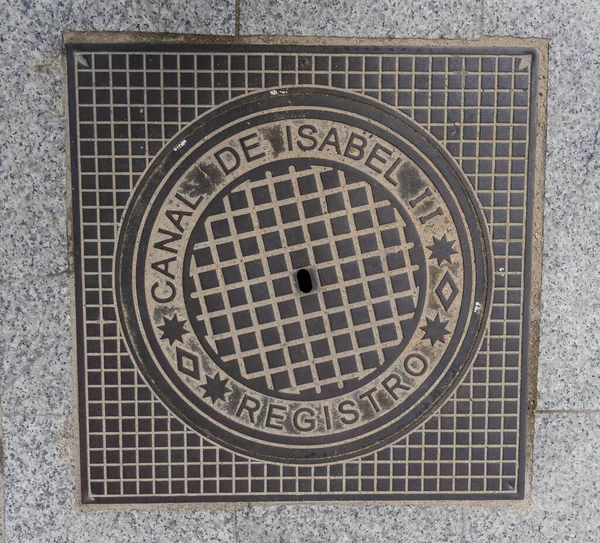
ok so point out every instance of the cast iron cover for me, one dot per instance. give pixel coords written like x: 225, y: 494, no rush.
x: 302, y: 272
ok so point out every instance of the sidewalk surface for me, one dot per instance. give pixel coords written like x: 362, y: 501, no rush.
x: 38, y: 423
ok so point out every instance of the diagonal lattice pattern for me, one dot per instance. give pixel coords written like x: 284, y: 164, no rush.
x: 249, y: 308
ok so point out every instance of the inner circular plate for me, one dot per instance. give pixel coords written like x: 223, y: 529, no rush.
x: 345, y: 193
x: 313, y: 215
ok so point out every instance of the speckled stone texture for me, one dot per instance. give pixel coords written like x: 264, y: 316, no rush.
x: 387, y: 18
x: 349, y: 524
x: 204, y: 17
x: 569, y: 373
x: 2, y: 532
x: 38, y: 424
x: 35, y: 346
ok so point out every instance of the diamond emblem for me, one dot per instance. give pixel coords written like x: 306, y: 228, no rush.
x: 447, y: 291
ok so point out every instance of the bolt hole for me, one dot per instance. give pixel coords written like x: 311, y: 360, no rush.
x: 304, y: 281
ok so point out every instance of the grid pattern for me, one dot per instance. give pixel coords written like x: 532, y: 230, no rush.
x: 314, y: 219
x: 128, y: 104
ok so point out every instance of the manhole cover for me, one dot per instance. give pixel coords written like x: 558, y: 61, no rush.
x: 302, y: 273
x: 372, y: 211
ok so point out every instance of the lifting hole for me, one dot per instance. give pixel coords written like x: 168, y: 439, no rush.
x: 304, y: 281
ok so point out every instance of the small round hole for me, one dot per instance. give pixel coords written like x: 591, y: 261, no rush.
x: 304, y: 280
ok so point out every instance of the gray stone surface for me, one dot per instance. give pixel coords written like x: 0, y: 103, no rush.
x: 566, y: 483
x: 40, y: 496
x: 33, y: 195
x: 204, y: 17
x: 389, y: 18
x: 35, y: 345
x: 349, y: 524
x: 570, y: 345
x: 2, y: 532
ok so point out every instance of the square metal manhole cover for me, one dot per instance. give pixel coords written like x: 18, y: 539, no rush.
x: 304, y: 272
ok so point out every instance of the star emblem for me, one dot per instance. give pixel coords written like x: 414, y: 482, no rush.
x: 435, y: 330
x: 215, y: 388
x: 442, y: 249
x: 173, y: 329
